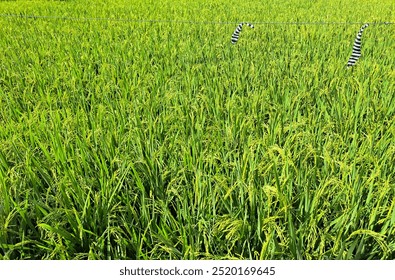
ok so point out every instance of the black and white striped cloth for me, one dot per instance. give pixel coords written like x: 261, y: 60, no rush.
x: 236, y: 34
x: 356, y: 48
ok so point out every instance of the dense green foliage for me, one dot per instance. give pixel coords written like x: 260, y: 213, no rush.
x: 162, y: 140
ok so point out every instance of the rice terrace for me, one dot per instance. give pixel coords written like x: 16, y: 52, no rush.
x: 159, y: 130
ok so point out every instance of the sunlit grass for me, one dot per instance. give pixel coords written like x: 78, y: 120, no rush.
x: 140, y: 140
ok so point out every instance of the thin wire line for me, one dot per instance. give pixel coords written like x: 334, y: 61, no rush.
x: 187, y: 21
x: 113, y: 19
x: 319, y: 23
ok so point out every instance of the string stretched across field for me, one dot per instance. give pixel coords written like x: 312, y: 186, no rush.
x: 186, y: 21
x: 356, y: 49
x: 236, y: 34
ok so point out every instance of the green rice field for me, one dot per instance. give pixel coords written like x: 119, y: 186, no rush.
x: 136, y: 130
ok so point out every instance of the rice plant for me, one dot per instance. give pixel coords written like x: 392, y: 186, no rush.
x: 135, y: 130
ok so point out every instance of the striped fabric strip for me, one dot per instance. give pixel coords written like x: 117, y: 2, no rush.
x: 356, y: 48
x: 236, y: 34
